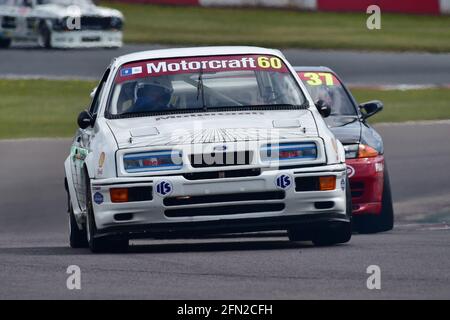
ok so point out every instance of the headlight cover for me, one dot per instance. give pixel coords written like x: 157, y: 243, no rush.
x: 116, y: 23
x: 153, y: 161
x: 289, y: 151
x: 353, y: 151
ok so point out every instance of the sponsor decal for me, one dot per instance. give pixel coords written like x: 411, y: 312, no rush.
x: 379, y: 167
x: 101, y: 162
x: 283, y: 181
x: 98, y: 198
x: 161, y: 67
x: 164, y: 188
x: 220, y: 148
x: 350, y: 171
x: 78, y: 153
x: 130, y: 71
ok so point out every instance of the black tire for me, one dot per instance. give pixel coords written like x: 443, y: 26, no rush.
x: 385, y: 220
x: 5, y: 43
x: 99, y: 244
x: 45, y: 36
x: 77, y: 237
x: 338, y: 232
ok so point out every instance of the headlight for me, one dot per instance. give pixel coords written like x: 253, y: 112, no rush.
x: 116, y: 23
x: 289, y: 151
x: 353, y: 151
x: 153, y: 161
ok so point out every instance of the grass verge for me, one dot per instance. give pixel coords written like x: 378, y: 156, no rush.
x: 49, y: 108
x: 281, y: 28
x: 408, y: 105
x: 41, y: 108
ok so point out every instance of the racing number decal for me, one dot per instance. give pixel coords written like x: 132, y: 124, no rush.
x: 266, y: 62
x: 318, y: 78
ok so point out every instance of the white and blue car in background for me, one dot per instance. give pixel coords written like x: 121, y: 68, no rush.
x: 213, y: 140
x: 59, y: 24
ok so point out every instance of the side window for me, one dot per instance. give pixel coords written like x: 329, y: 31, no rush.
x: 98, y: 93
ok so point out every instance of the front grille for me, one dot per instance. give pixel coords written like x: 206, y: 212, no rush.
x: 324, y: 204
x: 221, y: 159
x: 243, y: 196
x: 31, y: 23
x: 222, y: 174
x: 8, y: 22
x: 357, y: 189
x: 224, y: 210
x: 97, y: 23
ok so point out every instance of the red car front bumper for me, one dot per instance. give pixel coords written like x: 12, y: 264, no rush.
x: 366, y: 184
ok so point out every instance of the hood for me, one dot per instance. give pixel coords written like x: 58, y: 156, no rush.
x: 60, y: 11
x: 214, y: 127
x: 347, y: 129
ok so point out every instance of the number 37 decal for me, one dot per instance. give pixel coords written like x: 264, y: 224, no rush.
x: 318, y: 78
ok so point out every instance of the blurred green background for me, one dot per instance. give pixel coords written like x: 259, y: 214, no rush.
x: 28, y: 110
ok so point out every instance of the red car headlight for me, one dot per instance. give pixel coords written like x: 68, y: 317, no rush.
x: 354, y: 151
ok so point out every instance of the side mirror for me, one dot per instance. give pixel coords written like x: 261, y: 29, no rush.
x: 85, y: 120
x: 324, y: 108
x: 370, y: 108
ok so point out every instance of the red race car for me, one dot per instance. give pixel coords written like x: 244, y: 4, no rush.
x: 366, y: 166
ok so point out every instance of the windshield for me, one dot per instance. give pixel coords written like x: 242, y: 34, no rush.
x: 326, y: 87
x: 207, y: 83
x: 65, y: 2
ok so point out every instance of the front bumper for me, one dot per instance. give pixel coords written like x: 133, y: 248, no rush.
x: 157, y: 215
x: 366, y: 184
x: 86, y: 39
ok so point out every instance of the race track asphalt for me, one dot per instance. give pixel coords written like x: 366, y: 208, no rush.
x: 367, y: 68
x: 413, y: 258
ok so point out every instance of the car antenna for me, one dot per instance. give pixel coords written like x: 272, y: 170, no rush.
x: 200, y: 88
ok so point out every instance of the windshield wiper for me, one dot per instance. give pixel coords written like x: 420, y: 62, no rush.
x: 201, y: 89
x: 281, y: 106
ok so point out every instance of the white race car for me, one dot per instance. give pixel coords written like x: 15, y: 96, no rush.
x: 182, y: 142
x: 59, y: 24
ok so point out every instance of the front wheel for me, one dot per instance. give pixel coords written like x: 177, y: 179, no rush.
x: 336, y: 232
x: 341, y: 232
x: 99, y: 244
x: 77, y: 237
x: 332, y: 235
x: 44, y: 36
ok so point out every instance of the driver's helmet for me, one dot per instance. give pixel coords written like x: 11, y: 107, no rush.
x: 323, y: 93
x: 155, y: 92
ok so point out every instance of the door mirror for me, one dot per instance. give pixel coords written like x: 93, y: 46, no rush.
x: 370, y: 108
x: 324, y: 108
x: 85, y: 120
